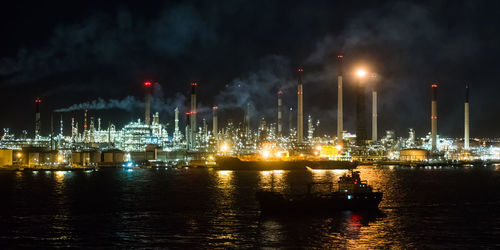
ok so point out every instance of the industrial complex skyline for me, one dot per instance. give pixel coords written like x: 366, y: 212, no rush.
x: 102, y: 58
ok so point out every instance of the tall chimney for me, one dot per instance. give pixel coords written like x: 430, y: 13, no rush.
x: 434, y: 117
x: 73, y: 130
x: 215, y: 129
x: 247, y: 120
x: 290, y: 118
x: 300, y: 115
x: 193, y: 114
x: 147, y: 103
x: 280, y: 115
x: 38, y: 122
x: 340, y: 118
x: 61, y: 126
x: 85, y: 132
x: 188, y: 130
x: 466, y: 120
x: 176, y: 125
x: 360, y: 114
x: 374, y: 115
x: 52, y: 130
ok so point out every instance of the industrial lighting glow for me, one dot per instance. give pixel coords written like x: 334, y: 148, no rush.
x: 266, y: 153
x: 361, y: 73
x: 224, y: 148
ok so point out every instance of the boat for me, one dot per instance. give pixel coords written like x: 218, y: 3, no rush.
x: 237, y: 163
x: 352, y: 194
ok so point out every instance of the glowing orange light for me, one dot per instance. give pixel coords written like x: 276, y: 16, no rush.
x: 361, y: 73
x: 147, y: 84
x: 434, y: 85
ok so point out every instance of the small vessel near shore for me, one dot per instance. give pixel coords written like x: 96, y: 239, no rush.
x: 352, y: 194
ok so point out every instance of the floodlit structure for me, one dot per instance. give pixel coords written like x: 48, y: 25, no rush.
x: 193, y: 125
x: 38, y: 123
x: 466, y: 118
x: 374, y: 115
x: 434, y: 117
x: 300, y: 114
x: 340, y: 117
x: 215, y: 125
x: 360, y: 109
x: 280, y: 115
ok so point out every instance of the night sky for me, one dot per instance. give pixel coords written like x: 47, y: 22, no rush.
x: 70, y: 53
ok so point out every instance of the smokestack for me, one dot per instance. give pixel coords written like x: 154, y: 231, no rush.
x: 360, y: 113
x: 61, y: 126
x: 280, y: 125
x: 52, y: 131
x: 188, y: 130
x: 38, y: 122
x: 434, y: 117
x: 176, y: 126
x: 147, y: 103
x: 215, y: 129
x: 466, y: 118
x: 300, y: 115
x: 290, y: 118
x: 340, y: 118
x: 247, y: 120
x: 374, y: 115
x: 85, y: 126
x: 193, y: 113
x: 73, y: 130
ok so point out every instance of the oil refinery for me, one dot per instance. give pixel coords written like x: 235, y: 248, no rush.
x: 150, y: 142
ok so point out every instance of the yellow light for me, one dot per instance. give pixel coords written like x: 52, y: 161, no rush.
x: 265, y: 153
x: 278, y: 154
x: 318, y: 147
x: 361, y: 73
x: 224, y: 148
x: 339, y: 147
x: 59, y: 158
x: 19, y: 155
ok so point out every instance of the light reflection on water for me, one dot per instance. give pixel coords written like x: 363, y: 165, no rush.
x: 217, y: 209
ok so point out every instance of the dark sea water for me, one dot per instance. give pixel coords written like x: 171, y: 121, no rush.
x: 200, y: 208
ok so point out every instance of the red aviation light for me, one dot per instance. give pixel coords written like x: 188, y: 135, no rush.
x: 188, y: 113
x: 340, y: 56
x: 300, y: 70
x: 37, y: 100
x: 147, y: 84
x: 280, y: 92
x: 434, y: 85
x: 215, y: 108
x: 194, y: 84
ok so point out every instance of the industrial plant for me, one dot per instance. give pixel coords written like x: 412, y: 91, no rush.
x: 148, y: 142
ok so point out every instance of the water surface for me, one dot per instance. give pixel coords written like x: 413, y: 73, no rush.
x: 436, y: 207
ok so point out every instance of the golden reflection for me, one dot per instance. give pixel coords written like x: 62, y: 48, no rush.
x: 19, y: 174
x: 224, y: 178
x: 59, y: 175
x: 272, y: 180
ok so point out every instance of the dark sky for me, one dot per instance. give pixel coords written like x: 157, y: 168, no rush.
x: 79, y: 55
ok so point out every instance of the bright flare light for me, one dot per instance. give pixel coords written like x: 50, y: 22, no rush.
x: 266, y: 153
x: 224, y: 148
x: 361, y: 73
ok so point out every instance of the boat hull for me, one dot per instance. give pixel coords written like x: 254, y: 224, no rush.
x: 234, y: 163
x: 274, y: 202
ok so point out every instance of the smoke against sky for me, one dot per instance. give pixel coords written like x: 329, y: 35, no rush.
x: 244, y: 53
